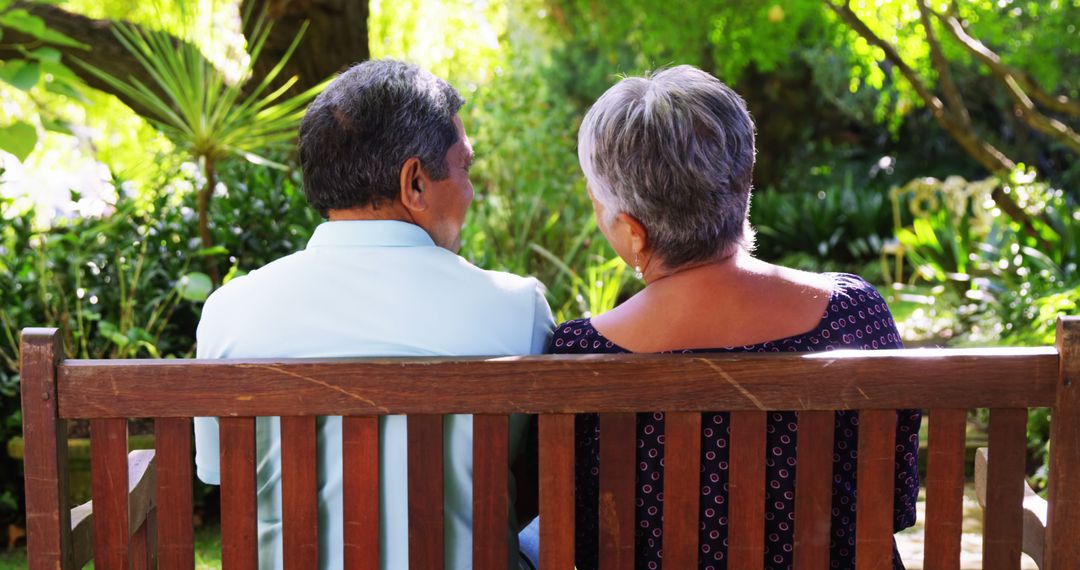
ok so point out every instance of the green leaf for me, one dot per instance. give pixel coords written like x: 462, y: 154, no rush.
x: 216, y: 250
x: 66, y: 89
x: 29, y: 24
x: 46, y: 54
x: 19, y: 139
x: 56, y: 126
x: 20, y: 73
x: 195, y: 287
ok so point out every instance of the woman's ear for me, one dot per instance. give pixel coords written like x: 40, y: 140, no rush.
x: 636, y: 234
x: 412, y: 196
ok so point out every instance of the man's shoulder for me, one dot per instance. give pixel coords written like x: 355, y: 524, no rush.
x: 498, y: 280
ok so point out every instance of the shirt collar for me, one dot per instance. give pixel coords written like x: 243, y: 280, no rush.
x: 369, y: 233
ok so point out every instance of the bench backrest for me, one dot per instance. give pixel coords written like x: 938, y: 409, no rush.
x: 945, y: 382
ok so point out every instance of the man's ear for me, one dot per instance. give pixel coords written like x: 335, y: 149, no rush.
x: 638, y: 235
x: 412, y: 183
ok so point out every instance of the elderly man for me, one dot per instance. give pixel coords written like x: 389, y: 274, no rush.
x: 386, y: 162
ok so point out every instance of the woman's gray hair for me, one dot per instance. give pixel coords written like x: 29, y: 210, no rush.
x: 675, y: 150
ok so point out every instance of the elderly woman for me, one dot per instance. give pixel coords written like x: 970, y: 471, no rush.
x: 668, y: 161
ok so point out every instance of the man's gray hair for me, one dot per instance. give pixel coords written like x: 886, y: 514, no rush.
x: 675, y: 150
x: 361, y: 129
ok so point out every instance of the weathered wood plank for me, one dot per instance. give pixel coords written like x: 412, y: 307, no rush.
x: 746, y: 495
x: 562, y: 384
x: 945, y: 488
x: 1004, y: 515
x: 1063, y: 548
x: 172, y: 442
x: 556, y: 437
x: 813, y: 489
x: 141, y: 502
x: 48, y: 519
x: 874, y: 510
x: 239, y: 532
x: 299, y: 493
x: 682, y: 488
x: 360, y: 491
x: 618, y: 467
x: 140, y: 548
x: 491, y: 491
x: 425, y: 457
x: 109, y: 482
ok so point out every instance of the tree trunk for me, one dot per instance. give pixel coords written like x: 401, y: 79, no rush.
x: 336, y: 38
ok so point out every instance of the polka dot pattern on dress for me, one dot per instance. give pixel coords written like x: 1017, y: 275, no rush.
x: 856, y: 318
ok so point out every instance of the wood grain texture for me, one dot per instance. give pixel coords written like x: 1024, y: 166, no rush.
x: 1063, y: 548
x: 556, y: 439
x: 360, y: 491
x: 140, y: 548
x: 945, y: 488
x: 813, y: 489
x: 682, y: 488
x: 425, y: 441
x: 141, y: 508
x: 618, y: 468
x: 491, y: 492
x: 172, y: 440
x: 239, y: 532
x: 746, y: 491
x: 1003, y: 522
x: 879, y: 379
x: 299, y: 493
x: 875, y: 477
x: 48, y: 519
x: 109, y: 482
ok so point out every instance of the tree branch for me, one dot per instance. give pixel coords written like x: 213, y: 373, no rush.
x: 1056, y: 103
x: 952, y: 94
x: 1015, y: 87
x: 106, y: 53
x: 985, y: 153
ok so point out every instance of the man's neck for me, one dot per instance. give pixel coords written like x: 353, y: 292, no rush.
x: 384, y: 212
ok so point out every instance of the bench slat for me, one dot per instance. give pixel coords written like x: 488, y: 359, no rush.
x: 299, y: 492
x: 875, y: 476
x: 1004, y: 514
x: 175, y: 537
x: 239, y: 532
x: 618, y: 467
x: 140, y: 547
x: 425, y: 442
x: 682, y: 488
x: 491, y: 491
x: 48, y: 519
x: 945, y: 488
x: 564, y: 384
x: 746, y: 491
x: 813, y: 489
x: 556, y: 437
x: 1062, y: 547
x: 360, y: 491
x: 109, y: 481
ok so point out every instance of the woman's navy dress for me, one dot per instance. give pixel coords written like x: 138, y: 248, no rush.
x: 856, y: 318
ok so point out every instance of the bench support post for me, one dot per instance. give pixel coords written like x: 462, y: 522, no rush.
x: 1063, y: 528
x: 48, y: 520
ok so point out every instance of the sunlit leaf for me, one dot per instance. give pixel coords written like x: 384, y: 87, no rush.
x: 19, y: 139
x: 195, y: 287
x: 20, y: 73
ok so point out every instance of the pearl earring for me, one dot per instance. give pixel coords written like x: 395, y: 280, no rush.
x: 637, y: 268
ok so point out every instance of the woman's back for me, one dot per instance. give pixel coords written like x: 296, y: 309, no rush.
x: 846, y: 312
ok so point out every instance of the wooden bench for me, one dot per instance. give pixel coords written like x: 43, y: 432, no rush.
x: 144, y: 532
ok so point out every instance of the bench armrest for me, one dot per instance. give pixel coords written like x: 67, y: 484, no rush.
x: 141, y: 501
x: 1034, y: 541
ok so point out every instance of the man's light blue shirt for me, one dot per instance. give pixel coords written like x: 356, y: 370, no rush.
x: 369, y: 288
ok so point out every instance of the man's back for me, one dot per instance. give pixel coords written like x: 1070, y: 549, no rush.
x: 369, y: 288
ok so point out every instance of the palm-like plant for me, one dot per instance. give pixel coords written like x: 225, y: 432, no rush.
x: 192, y: 103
